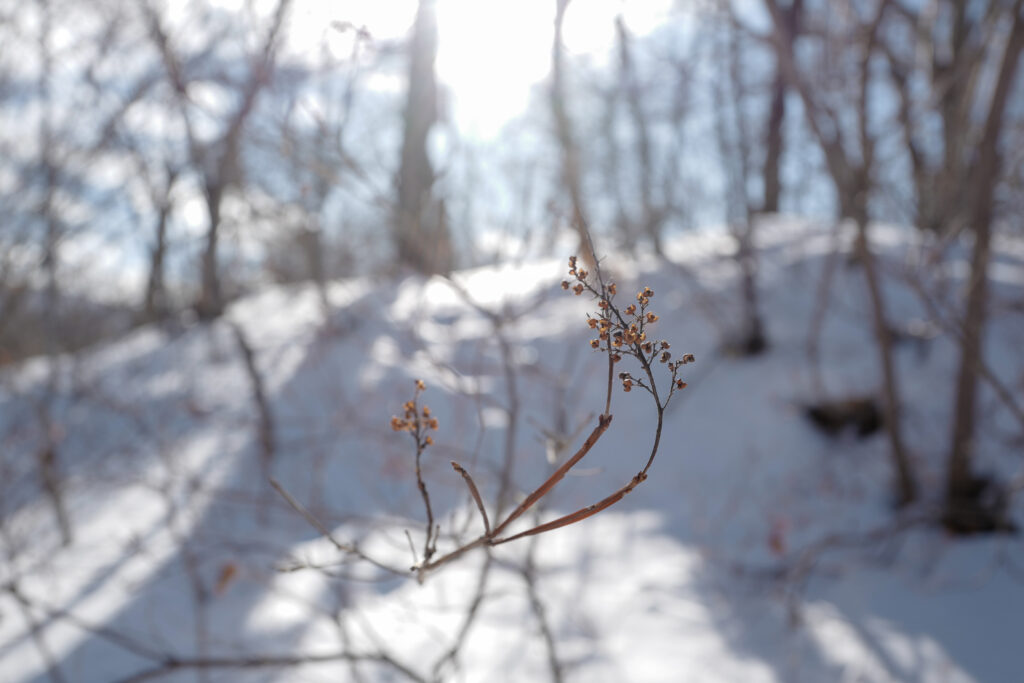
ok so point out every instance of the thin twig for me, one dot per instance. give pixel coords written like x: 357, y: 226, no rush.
x: 468, y: 619
x: 529, y: 574
x: 173, y: 664
x: 428, y: 547
x: 579, y: 515
x: 343, y: 547
x: 603, y: 422
x: 476, y: 495
x: 36, y: 630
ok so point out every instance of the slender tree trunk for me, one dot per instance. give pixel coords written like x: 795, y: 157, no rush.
x: 731, y: 96
x: 905, y: 484
x: 563, y: 130
x: 312, y: 244
x: 776, y: 118
x: 265, y: 430
x: 651, y: 216
x: 211, y: 303
x: 420, y: 230
x: 773, y: 147
x: 752, y: 337
x: 47, y: 455
x: 155, y: 303
x: 961, y: 485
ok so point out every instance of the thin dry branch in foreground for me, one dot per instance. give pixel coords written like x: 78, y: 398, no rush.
x: 620, y: 333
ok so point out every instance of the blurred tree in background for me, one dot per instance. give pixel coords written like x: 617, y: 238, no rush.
x: 158, y: 159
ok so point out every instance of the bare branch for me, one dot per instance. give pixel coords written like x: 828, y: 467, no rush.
x: 475, y: 493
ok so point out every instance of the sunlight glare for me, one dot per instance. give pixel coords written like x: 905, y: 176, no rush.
x: 489, y: 56
x: 492, y: 53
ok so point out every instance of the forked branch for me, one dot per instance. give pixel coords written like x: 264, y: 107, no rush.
x: 620, y: 332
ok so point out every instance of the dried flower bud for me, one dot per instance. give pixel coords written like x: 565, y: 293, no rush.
x: 688, y: 358
x: 578, y: 289
x: 583, y: 275
x: 611, y: 289
x: 680, y: 384
x: 665, y: 355
x: 420, y: 385
x: 565, y: 284
x: 651, y: 318
x: 630, y: 309
x: 595, y: 343
x: 627, y: 385
x: 428, y: 441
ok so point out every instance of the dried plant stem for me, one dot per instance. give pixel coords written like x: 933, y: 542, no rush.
x: 617, y: 337
x: 579, y: 515
x: 476, y: 495
x: 602, y: 425
x: 429, y: 546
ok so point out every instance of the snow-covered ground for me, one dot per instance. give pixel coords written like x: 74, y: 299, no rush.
x: 758, y: 549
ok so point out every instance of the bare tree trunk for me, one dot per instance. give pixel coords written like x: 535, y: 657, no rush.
x: 311, y: 241
x: 48, y: 453
x: 211, y: 302
x: 906, y: 486
x: 852, y: 181
x: 773, y: 147
x: 563, y: 130
x: 731, y: 97
x: 265, y: 430
x: 218, y: 163
x: 652, y: 215
x: 155, y: 304
x: 961, y: 486
x: 776, y: 119
x: 420, y: 230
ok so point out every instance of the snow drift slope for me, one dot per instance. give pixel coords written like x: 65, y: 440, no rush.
x: 702, y: 574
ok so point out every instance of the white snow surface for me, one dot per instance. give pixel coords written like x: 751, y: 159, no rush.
x: 756, y: 551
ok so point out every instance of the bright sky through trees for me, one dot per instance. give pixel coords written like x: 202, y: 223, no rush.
x: 490, y: 53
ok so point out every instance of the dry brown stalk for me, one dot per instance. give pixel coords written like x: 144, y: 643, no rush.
x: 621, y: 332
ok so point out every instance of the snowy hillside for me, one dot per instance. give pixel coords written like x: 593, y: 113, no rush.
x: 759, y: 549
